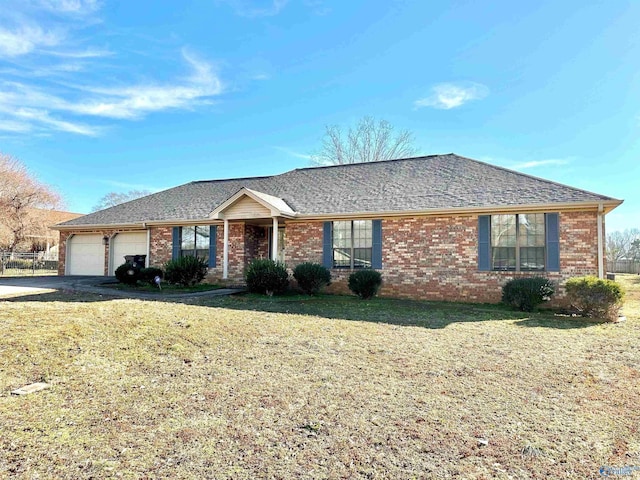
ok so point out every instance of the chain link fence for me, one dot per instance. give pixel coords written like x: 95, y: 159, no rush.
x: 15, y: 264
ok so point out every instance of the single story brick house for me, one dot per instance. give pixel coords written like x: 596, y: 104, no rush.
x: 440, y: 227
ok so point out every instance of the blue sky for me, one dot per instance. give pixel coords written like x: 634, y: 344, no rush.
x: 101, y: 96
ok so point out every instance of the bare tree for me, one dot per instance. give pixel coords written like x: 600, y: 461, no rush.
x: 623, y: 245
x: 635, y: 250
x: 112, y: 199
x: 24, y: 203
x: 369, y: 141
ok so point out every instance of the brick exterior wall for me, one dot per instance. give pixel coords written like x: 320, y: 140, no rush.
x: 160, y: 246
x: 62, y: 252
x: 256, y: 243
x: 246, y: 242
x: 436, y: 258
x: 432, y: 258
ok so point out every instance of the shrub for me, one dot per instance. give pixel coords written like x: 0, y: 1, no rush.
x: 20, y: 263
x: 185, y: 271
x: 150, y: 273
x: 311, y: 277
x: 526, y: 294
x: 595, y: 297
x: 365, y: 283
x: 266, y: 276
x: 128, y: 273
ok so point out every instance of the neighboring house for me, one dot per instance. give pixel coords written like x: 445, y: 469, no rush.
x: 439, y: 227
x: 40, y: 235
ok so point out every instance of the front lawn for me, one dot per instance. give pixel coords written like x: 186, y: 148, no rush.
x: 252, y: 387
x: 165, y: 289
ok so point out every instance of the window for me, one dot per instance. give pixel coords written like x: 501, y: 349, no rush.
x: 518, y: 242
x: 352, y: 243
x: 194, y: 241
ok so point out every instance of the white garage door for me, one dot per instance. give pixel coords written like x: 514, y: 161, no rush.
x: 86, y: 255
x: 130, y: 243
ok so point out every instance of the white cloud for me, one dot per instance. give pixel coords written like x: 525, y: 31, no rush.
x: 57, y: 82
x: 317, y: 7
x: 530, y: 164
x: 77, y: 7
x: 81, y: 54
x: 293, y: 153
x: 446, y: 96
x: 13, y: 126
x: 25, y: 39
x: 42, y: 117
x: 540, y: 163
x: 256, y: 8
x: 132, y: 102
x: 27, y: 103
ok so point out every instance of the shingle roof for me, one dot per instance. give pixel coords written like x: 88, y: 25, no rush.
x: 434, y: 182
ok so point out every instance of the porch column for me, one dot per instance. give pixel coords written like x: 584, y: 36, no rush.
x: 274, y: 240
x: 225, y: 251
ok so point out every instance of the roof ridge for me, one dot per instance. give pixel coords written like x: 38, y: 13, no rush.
x: 232, y: 179
x: 315, y: 167
x: 540, y: 179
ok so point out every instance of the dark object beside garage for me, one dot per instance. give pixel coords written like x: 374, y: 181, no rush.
x: 137, y: 261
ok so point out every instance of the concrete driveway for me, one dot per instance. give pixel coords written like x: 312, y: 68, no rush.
x: 20, y: 286
x: 32, y: 285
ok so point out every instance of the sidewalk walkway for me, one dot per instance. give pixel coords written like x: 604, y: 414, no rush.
x: 18, y: 286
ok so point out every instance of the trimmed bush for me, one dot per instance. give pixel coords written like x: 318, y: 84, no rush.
x: 185, y: 271
x: 20, y: 263
x: 595, y: 297
x: 127, y: 273
x: 365, y: 283
x: 526, y: 294
x: 266, y: 277
x: 150, y: 273
x: 312, y: 277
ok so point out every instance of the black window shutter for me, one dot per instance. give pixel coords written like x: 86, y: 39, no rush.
x: 175, y: 250
x: 213, y: 230
x: 552, y: 230
x: 484, y: 242
x: 376, y: 251
x: 327, y: 245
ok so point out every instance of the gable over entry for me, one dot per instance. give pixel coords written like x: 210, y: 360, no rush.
x: 247, y: 204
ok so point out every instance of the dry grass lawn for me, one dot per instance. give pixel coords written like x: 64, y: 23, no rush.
x: 244, y: 387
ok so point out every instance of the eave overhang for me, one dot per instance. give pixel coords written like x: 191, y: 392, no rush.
x: 605, y: 205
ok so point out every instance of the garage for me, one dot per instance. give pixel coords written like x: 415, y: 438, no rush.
x: 128, y: 243
x: 85, y: 255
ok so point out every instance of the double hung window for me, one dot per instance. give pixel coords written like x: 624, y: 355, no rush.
x: 352, y: 243
x: 194, y: 241
x: 518, y: 242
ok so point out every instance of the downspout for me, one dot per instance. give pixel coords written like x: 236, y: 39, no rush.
x: 225, y: 251
x: 147, y: 261
x: 110, y: 259
x: 600, y: 242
